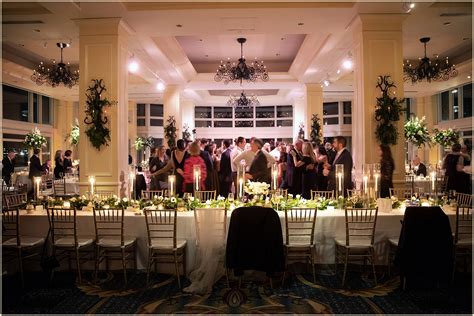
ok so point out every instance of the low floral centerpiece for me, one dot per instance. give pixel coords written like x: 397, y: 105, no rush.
x: 256, y: 191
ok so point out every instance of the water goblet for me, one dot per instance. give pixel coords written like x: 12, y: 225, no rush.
x: 230, y: 197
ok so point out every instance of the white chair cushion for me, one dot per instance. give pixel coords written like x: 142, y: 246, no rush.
x: 24, y: 242
x: 69, y: 242
x: 111, y: 242
x: 167, y: 244
x: 393, y: 241
x: 354, y: 242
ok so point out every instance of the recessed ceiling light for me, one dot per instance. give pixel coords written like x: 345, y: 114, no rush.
x: 468, y: 77
x: 179, y: 25
x: 277, y: 54
x: 200, y: 39
x: 447, y: 23
x: 37, y: 30
x: 160, y: 86
x: 133, y: 66
x: 22, y: 45
x: 282, y: 38
x: 300, y: 23
x: 347, y: 64
x: 465, y: 38
x: 338, y: 71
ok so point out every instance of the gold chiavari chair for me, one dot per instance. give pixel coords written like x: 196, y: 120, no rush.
x: 60, y: 189
x: 150, y: 194
x: 359, y: 241
x: 46, y: 188
x: 323, y: 194
x: 299, y: 243
x: 205, y: 195
x: 11, y: 201
x: 163, y: 246
x: 111, y: 242
x: 464, y: 199
x: 401, y: 193
x: 463, y: 234
x: 16, y: 246
x: 65, y: 241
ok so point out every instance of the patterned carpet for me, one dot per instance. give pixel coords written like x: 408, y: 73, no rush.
x: 298, y: 295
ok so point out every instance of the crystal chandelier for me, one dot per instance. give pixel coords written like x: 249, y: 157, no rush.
x: 238, y: 72
x: 430, y: 70
x: 57, y: 73
x: 243, y: 101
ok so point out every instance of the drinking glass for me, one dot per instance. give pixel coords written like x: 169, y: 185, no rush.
x: 186, y: 196
x: 230, y: 197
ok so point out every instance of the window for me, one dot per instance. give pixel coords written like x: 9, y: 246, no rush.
x: 15, y: 104
x: 347, y: 120
x: 284, y: 122
x: 330, y: 108
x: 347, y: 107
x: 445, y: 106
x: 222, y: 112
x: 156, y: 122
x: 284, y: 111
x: 203, y: 112
x: 243, y: 123
x: 265, y: 123
x: 140, y: 110
x: 243, y: 113
x: 331, y: 121
x: 35, y: 108
x: 45, y: 110
x: 455, y: 96
x: 140, y: 122
x: 203, y: 123
x: 467, y: 100
x: 156, y: 110
x: 265, y: 112
x: 222, y: 123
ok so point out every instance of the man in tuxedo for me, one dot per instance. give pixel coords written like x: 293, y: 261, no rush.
x: 36, y: 169
x: 208, y: 161
x: 343, y: 156
x: 225, y: 173
x: 258, y: 169
x: 8, y: 167
x: 421, y: 167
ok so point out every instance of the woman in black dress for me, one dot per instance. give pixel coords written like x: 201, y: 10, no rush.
x: 307, y: 164
x: 322, y: 160
x: 178, y: 157
x: 454, y: 164
x: 58, y: 164
x: 387, y: 165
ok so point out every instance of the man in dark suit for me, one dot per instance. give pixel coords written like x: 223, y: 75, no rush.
x: 258, y: 171
x: 294, y: 174
x: 209, y: 165
x: 421, y: 170
x: 225, y: 173
x: 343, y: 156
x: 36, y: 169
x: 331, y: 152
x: 8, y: 167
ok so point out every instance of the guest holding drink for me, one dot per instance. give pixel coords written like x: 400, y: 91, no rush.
x: 387, y: 165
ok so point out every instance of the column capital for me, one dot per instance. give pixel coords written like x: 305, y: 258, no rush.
x: 313, y: 87
x: 103, y: 26
x: 379, y: 22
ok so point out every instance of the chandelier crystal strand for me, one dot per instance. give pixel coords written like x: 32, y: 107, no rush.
x: 243, y: 101
x: 57, y: 73
x: 231, y: 72
x: 427, y: 69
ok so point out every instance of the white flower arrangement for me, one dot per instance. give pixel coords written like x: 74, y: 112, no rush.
x: 416, y: 131
x: 447, y: 137
x: 34, y: 139
x: 141, y: 142
x: 256, y: 188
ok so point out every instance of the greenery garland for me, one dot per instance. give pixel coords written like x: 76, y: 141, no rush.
x: 387, y: 111
x: 447, y: 137
x: 315, y: 134
x: 34, y: 139
x: 171, y: 131
x: 98, y: 132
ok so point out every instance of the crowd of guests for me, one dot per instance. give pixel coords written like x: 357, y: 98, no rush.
x: 301, y: 166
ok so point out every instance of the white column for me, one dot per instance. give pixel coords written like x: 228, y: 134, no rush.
x: 172, y: 107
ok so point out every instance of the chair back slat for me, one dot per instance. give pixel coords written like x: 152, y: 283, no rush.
x: 150, y: 194
x: 11, y: 225
x: 15, y: 200
x: 59, y: 187
x: 211, y: 223
x: 300, y: 224
x: 109, y: 223
x: 401, y: 193
x: 464, y: 200
x: 161, y: 226
x: 323, y: 194
x: 463, y: 223
x: 205, y: 195
x: 360, y: 224
x: 63, y: 223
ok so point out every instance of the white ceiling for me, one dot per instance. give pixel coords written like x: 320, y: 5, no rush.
x: 316, y: 39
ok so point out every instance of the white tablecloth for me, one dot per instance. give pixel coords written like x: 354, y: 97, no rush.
x: 330, y: 224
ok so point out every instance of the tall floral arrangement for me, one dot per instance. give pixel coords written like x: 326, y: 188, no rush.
x: 186, y: 133
x: 447, y: 137
x: 315, y: 134
x: 142, y: 142
x: 301, y: 131
x: 416, y: 131
x: 171, y: 131
x: 387, y: 112
x: 73, y: 136
x: 34, y: 139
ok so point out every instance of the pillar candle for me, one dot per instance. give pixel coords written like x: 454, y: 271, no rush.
x: 37, y: 187
x: 171, y: 184
x: 91, y: 181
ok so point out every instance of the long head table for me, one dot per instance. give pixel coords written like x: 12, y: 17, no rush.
x: 330, y: 224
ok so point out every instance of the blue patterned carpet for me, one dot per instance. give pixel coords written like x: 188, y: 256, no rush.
x: 298, y: 295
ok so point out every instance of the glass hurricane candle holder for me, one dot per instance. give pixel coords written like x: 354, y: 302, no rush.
x: 196, y: 177
x: 339, y: 180
x: 172, y: 185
